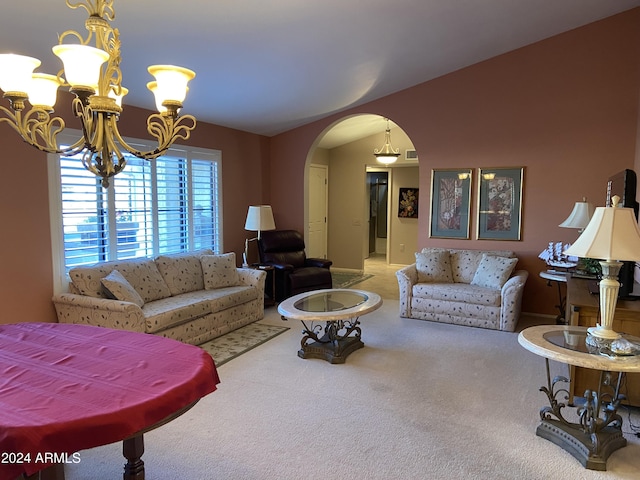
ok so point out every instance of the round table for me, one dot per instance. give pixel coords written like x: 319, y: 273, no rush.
x: 65, y: 388
x: 341, y: 310
x: 599, y: 430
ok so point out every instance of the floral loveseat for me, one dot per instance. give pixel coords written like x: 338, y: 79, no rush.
x: 191, y: 297
x: 466, y: 287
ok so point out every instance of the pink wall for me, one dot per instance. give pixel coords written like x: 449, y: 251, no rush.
x: 25, y: 247
x: 565, y: 108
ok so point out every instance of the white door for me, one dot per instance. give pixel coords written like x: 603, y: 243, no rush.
x: 317, y: 235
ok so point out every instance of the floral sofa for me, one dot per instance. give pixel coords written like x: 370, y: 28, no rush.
x: 190, y: 297
x: 465, y: 287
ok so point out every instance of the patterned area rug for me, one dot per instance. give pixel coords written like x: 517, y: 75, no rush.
x: 348, y: 279
x: 234, y: 344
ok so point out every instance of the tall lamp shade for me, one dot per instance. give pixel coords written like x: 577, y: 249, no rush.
x: 259, y: 219
x: 612, y: 236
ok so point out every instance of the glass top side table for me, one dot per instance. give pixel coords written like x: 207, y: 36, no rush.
x: 598, y: 433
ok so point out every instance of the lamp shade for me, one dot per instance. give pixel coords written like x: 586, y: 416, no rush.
x: 82, y: 64
x: 260, y: 218
x: 171, y: 83
x: 579, y: 216
x: 612, y: 234
x: 16, y: 72
x: 43, y: 90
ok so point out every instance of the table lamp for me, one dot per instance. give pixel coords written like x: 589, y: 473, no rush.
x: 259, y: 218
x: 612, y: 236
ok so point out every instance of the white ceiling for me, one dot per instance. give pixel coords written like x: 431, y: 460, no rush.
x: 269, y: 66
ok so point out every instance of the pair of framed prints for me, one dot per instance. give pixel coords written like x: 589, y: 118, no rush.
x: 499, y: 205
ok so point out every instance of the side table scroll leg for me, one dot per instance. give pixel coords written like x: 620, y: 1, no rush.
x: 132, y: 449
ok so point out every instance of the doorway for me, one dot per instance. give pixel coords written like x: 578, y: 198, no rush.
x: 378, y: 185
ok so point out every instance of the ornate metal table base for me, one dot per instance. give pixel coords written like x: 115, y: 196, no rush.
x: 599, y: 431
x: 333, y: 343
x: 581, y: 444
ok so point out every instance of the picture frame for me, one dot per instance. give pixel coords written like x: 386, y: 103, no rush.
x: 408, y: 203
x: 500, y: 203
x: 450, y: 203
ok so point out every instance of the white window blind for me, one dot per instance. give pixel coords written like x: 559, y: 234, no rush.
x: 168, y: 205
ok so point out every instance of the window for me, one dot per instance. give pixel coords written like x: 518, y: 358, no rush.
x: 168, y: 205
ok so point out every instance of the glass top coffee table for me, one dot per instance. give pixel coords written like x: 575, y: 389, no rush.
x: 341, y: 310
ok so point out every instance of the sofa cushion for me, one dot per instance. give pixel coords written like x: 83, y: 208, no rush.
x: 493, y: 272
x: 434, y: 266
x: 457, y: 292
x: 464, y: 263
x: 181, y: 272
x: 169, y: 312
x: 141, y: 273
x: 120, y: 289
x: 219, y: 271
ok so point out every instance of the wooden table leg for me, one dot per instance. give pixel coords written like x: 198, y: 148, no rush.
x: 132, y: 449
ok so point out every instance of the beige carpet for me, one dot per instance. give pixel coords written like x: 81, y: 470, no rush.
x: 421, y: 401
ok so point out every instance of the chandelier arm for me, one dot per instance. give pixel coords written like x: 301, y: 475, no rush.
x: 165, y: 129
x: 39, y: 130
x: 102, y: 8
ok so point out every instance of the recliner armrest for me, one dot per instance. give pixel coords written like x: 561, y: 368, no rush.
x: 318, y: 262
x: 280, y: 266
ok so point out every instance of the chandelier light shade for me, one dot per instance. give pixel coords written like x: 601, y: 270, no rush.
x: 259, y: 218
x: 612, y: 236
x: 579, y: 216
x: 93, y: 75
x: 387, y: 154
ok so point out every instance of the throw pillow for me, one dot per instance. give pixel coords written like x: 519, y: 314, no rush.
x: 219, y: 271
x: 119, y: 288
x: 493, y: 272
x: 434, y: 266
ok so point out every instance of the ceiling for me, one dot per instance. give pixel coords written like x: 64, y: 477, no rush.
x: 267, y: 67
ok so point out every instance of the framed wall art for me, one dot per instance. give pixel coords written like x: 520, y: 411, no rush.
x: 408, y: 203
x: 500, y: 203
x: 450, y: 203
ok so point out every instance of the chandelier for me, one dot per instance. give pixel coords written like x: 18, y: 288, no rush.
x: 387, y: 154
x: 93, y: 75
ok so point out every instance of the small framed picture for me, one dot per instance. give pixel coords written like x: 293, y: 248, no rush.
x: 408, y: 203
x: 450, y: 203
x: 500, y: 203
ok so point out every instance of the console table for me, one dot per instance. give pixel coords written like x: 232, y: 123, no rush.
x: 583, y: 310
x: 598, y: 431
x: 65, y: 388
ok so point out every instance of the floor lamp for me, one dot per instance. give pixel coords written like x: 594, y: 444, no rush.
x: 259, y: 219
x: 612, y: 236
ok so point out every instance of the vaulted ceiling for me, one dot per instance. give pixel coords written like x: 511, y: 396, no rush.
x: 267, y: 67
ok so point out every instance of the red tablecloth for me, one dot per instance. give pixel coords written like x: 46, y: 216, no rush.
x: 65, y: 388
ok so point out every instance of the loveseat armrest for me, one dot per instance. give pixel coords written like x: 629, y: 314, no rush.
x: 511, y: 303
x: 318, y: 262
x: 99, y: 312
x: 252, y: 277
x: 407, y: 278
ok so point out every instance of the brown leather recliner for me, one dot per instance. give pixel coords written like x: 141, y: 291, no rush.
x: 294, y: 272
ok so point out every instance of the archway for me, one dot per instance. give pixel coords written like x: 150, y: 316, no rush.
x: 345, y: 151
